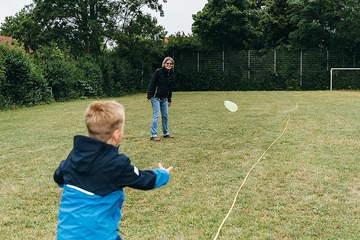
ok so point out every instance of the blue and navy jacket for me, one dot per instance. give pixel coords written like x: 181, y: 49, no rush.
x: 93, y: 177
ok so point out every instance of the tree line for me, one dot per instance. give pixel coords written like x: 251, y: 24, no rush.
x: 256, y: 24
x: 108, y: 47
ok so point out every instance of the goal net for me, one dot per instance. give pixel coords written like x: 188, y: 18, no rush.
x: 344, y: 78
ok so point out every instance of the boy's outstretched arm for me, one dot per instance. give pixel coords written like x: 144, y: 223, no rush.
x: 131, y: 176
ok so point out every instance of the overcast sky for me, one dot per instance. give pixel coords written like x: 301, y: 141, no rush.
x: 178, y: 13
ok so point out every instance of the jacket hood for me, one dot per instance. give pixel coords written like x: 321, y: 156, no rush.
x: 89, y: 155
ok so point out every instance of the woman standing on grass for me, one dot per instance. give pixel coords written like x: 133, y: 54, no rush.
x: 159, y: 94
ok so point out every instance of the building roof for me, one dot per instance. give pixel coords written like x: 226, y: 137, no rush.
x: 8, y: 40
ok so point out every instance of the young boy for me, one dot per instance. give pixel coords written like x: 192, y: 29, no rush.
x: 94, y: 174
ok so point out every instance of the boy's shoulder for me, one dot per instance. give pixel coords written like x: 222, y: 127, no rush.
x: 122, y: 159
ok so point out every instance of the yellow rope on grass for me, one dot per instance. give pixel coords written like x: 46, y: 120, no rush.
x: 246, y: 177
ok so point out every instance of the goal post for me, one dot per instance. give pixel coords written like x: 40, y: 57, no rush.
x: 338, y: 69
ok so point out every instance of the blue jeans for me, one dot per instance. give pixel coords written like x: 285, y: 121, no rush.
x: 159, y: 105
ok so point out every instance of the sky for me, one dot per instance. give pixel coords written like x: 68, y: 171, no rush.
x: 177, y: 18
x: 178, y: 15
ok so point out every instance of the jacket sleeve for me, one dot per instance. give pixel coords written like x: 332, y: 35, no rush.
x: 132, y: 177
x: 152, y: 85
x: 162, y: 177
x: 58, y: 176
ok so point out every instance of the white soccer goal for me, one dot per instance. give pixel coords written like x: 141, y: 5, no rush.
x: 338, y: 69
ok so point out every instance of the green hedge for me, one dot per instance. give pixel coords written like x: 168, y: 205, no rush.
x: 87, y: 76
x: 21, y: 81
x: 52, y: 74
x: 283, y: 69
x: 60, y: 72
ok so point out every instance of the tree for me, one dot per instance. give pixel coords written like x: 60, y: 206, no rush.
x: 182, y: 42
x: 82, y: 26
x: 142, y: 41
x: 275, y: 23
x: 313, y: 27
x: 22, y: 27
x: 228, y: 24
x: 325, y: 24
x: 346, y: 35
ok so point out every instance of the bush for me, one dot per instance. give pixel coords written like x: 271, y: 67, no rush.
x: 3, y: 101
x: 119, y: 77
x: 90, y: 79
x: 60, y: 72
x: 108, y: 75
x: 22, y: 82
x: 209, y: 80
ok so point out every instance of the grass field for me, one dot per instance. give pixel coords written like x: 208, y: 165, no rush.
x: 307, y: 185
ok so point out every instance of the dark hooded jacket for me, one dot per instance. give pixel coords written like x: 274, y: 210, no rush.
x: 161, y: 84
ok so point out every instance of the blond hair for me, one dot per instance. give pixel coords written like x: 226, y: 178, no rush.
x: 102, y: 118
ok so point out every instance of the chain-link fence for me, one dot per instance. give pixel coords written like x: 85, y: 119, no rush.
x: 281, y: 68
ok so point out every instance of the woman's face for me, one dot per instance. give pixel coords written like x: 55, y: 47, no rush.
x: 168, y: 65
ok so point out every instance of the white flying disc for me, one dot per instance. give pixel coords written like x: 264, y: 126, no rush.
x: 232, y: 107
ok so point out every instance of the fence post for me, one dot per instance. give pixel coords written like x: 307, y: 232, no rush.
x: 142, y: 72
x: 301, y: 67
x: 275, y: 61
x: 198, y: 61
x: 327, y: 59
x: 223, y: 61
x: 249, y: 59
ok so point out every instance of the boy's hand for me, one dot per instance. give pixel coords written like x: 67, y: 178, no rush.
x: 167, y: 169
